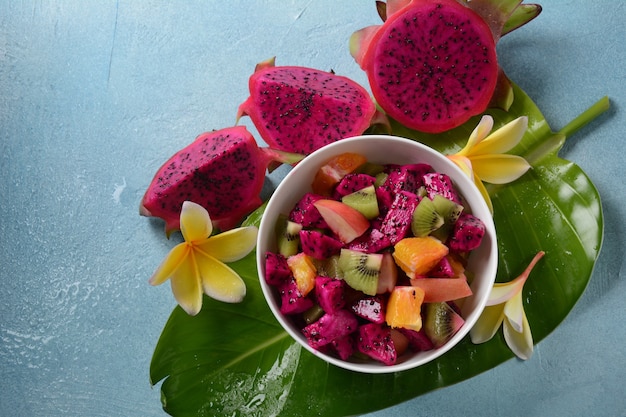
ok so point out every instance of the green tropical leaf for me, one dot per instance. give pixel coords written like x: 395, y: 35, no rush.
x: 235, y: 359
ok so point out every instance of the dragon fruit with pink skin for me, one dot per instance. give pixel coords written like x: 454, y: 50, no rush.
x: 432, y: 64
x: 374, y: 340
x: 467, y: 233
x: 298, y: 109
x: 318, y: 245
x: 276, y: 269
x: 330, y: 293
x: 352, y: 183
x: 330, y: 327
x: 397, y: 222
x: 223, y: 171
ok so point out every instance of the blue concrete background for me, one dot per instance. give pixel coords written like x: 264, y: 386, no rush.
x: 94, y: 95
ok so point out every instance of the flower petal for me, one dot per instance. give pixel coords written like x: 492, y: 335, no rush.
x: 514, y: 311
x: 487, y: 324
x: 195, y: 223
x: 186, y: 286
x: 462, y: 162
x: 483, y: 191
x: 219, y: 281
x: 503, y: 292
x: 499, y: 169
x: 169, y: 265
x: 231, y: 245
x: 521, y: 343
x: 478, y: 134
x: 502, y: 140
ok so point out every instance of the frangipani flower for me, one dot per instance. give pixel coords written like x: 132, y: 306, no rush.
x: 483, y: 158
x: 505, y: 306
x: 197, y: 264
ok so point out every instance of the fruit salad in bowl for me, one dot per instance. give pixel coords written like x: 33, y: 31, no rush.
x: 377, y: 253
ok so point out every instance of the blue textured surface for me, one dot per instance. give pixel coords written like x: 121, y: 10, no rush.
x: 94, y: 96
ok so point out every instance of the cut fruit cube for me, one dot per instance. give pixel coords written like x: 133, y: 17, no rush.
x: 363, y: 200
x: 345, y: 222
x: 418, y: 255
x: 404, y: 308
x: 437, y: 290
x: 303, y: 271
x: 360, y: 270
x: 329, y: 175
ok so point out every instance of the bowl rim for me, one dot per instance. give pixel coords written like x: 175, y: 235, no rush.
x: 308, y: 166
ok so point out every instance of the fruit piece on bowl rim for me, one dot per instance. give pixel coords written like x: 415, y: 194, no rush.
x: 482, y: 262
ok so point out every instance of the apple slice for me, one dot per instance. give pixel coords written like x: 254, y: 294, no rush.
x: 346, y: 222
x: 437, y: 290
x: 388, y: 275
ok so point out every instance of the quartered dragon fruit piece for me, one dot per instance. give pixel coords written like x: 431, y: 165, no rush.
x: 432, y: 64
x: 298, y: 109
x: 223, y: 171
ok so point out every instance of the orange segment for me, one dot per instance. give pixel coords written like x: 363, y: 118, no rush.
x: 303, y: 271
x: 334, y: 170
x: 418, y: 255
x: 404, y: 308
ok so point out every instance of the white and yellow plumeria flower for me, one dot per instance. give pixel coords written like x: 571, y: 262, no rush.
x: 505, y: 307
x: 483, y: 158
x: 197, y: 264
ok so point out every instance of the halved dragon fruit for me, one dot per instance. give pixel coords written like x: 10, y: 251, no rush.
x: 298, y: 109
x: 432, y: 65
x: 223, y: 171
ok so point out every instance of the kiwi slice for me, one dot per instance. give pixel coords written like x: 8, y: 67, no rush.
x: 313, y: 314
x: 380, y: 179
x: 328, y: 267
x: 426, y: 219
x: 287, y: 236
x: 441, y: 323
x: 364, y: 201
x: 370, y: 168
x: 360, y: 270
x: 449, y: 211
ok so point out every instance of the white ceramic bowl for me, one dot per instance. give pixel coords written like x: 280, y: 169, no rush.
x: 383, y: 150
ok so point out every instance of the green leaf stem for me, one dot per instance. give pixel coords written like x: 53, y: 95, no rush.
x: 237, y: 360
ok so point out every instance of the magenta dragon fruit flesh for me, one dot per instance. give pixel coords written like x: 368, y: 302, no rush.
x: 374, y: 340
x: 467, y: 234
x: 432, y: 64
x: 351, y: 183
x: 298, y: 109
